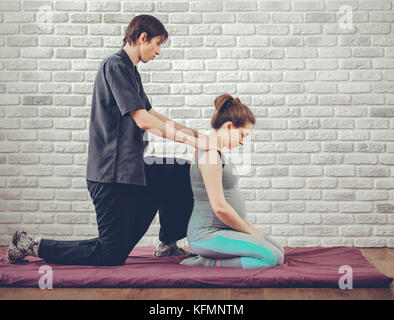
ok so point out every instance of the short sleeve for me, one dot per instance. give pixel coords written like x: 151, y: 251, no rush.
x: 124, y: 88
x: 146, y: 101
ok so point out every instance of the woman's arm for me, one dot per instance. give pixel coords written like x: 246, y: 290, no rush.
x: 210, y: 166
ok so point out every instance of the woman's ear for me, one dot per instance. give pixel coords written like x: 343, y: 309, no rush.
x: 229, y: 125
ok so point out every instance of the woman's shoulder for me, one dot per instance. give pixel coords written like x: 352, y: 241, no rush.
x: 210, y: 156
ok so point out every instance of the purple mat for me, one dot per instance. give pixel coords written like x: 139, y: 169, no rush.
x: 303, y: 267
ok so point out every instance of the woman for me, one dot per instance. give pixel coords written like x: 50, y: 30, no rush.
x: 218, y: 231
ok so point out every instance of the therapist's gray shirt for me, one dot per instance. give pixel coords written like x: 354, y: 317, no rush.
x: 116, y: 145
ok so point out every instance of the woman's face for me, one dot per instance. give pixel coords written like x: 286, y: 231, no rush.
x: 149, y: 49
x: 233, y: 137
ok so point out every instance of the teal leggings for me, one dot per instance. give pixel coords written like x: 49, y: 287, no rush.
x: 230, y: 248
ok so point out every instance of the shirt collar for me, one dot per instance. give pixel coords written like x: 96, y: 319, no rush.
x: 125, y: 57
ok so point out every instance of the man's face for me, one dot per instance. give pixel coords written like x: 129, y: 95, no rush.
x: 150, y: 49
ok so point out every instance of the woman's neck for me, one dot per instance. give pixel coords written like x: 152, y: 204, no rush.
x: 216, y: 137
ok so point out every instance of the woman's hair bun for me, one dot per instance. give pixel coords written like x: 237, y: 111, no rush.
x: 231, y: 109
x: 226, y: 104
x: 222, y: 100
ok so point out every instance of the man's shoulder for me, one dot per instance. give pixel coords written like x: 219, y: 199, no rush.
x: 114, y: 60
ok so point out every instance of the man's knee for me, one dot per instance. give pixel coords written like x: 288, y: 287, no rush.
x: 112, y: 259
x: 113, y: 255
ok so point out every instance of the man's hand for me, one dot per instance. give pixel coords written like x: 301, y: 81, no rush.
x: 186, y: 135
x: 205, y: 142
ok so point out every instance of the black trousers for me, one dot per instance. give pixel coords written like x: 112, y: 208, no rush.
x: 124, y: 213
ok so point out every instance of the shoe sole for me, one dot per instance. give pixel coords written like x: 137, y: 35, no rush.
x: 14, y: 242
x: 8, y: 257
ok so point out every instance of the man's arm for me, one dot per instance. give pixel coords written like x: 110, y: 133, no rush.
x: 166, y: 129
x: 149, y: 122
x: 177, y: 125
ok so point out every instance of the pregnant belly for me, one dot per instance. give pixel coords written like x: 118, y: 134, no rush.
x: 204, y: 221
x: 237, y: 201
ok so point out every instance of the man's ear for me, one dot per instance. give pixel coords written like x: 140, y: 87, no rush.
x: 143, y: 36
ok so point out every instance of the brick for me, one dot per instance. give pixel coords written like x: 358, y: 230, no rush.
x: 172, y: 6
x: 21, y: 136
x: 18, y: 17
x: 240, y: 6
x: 375, y: 5
x: 71, y: 218
x: 111, y: 30
x: 10, y: 218
x: 85, y: 17
x: 370, y: 219
x: 219, y: 17
x: 22, y: 207
x: 37, y: 5
x: 370, y: 242
x: 22, y: 182
x: 86, y: 231
x: 287, y: 17
x: 287, y: 230
x: 36, y: 147
x: 9, y: 53
x: 239, y: 29
x: 36, y: 53
x: 55, y: 230
x: 54, y: 41
x: 22, y: 87
x: 10, y: 6
x: 308, y: 5
x: 354, y: 231
x: 38, y: 218
x: 86, y: 42
x: 103, y: 6
x: 41, y: 28
x: 274, y: 5
x: 138, y: 6
x: 321, y: 231
x: 71, y: 29
x: 9, y: 29
x: 70, y: 5
x: 36, y: 171
x: 338, y: 219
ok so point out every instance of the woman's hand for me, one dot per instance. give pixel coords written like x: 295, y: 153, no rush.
x: 254, y: 231
x: 257, y: 234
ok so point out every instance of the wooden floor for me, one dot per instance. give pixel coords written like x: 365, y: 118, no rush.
x: 381, y: 258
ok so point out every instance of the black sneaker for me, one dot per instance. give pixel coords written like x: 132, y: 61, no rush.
x: 170, y: 249
x: 23, y: 244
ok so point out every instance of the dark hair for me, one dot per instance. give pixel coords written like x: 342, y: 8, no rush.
x: 230, y: 109
x: 144, y: 23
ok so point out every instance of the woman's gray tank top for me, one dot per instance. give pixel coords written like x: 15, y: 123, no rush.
x: 203, y: 221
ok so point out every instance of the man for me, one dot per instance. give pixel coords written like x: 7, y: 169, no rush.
x: 127, y: 190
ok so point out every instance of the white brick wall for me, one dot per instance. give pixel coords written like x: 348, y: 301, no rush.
x: 323, y: 95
